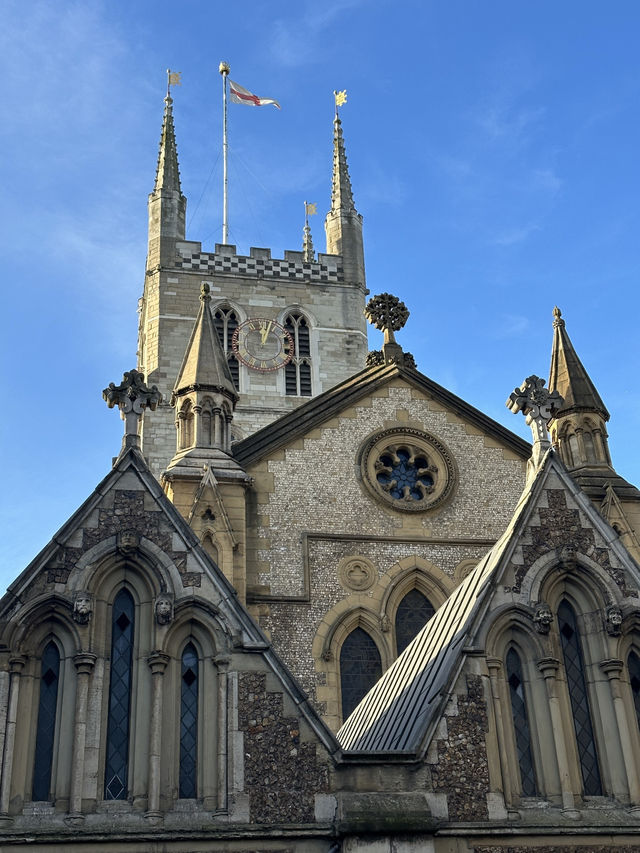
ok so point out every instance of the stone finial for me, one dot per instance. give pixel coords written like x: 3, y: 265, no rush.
x: 557, y: 318
x: 538, y: 405
x: 132, y: 397
x: 308, y: 255
x: 387, y: 313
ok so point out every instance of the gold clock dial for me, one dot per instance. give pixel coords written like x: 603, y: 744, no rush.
x: 262, y: 344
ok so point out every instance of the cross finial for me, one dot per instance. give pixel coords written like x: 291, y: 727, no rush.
x: 557, y: 317
x: 538, y: 405
x: 387, y: 313
x: 132, y: 397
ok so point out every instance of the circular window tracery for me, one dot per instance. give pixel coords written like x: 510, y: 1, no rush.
x: 408, y: 469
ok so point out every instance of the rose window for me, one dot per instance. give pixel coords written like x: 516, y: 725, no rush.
x: 407, y: 469
x: 405, y: 473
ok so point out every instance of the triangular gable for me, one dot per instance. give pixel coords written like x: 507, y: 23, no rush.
x: 403, y: 707
x: 94, y: 531
x: 325, y: 406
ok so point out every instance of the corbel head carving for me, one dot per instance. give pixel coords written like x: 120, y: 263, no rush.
x: 82, y: 607
x: 613, y: 620
x: 542, y: 618
x: 127, y: 542
x: 164, y: 609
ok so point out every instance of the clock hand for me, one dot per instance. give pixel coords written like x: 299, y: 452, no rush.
x: 264, y: 332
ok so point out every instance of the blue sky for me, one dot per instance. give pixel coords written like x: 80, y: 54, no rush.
x: 493, y: 150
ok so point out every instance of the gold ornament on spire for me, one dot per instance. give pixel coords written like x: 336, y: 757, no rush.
x: 341, y: 97
x: 174, y: 78
x: 310, y: 208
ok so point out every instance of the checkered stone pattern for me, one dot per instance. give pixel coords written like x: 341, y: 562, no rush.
x: 242, y: 265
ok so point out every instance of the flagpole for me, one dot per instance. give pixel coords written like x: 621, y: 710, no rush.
x: 224, y: 70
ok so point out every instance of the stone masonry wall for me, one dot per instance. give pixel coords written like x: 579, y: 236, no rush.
x: 282, y: 773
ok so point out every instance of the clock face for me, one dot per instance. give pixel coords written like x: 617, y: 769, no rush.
x: 262, y: 344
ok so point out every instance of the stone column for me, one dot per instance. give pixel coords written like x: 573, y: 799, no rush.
x: 612, y: 669
x: 217, y: 427
x: 16, y: 665
x: 84, y: 663
x: 495, y: 667
x: 157, y: 664
x: 549, y: 667
x: 197, y: 425
x: 222, y: 664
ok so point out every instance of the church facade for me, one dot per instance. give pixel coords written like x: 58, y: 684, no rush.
x: 320, y: 602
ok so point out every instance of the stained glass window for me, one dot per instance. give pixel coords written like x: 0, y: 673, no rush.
x: 521, y: 724
x: 360, y: 668
x: 413, y: 613
x: 574, y: 667
x: 189, y: 723
x: 45, y: 734
x: 118, y: 723
x: 634, y: 677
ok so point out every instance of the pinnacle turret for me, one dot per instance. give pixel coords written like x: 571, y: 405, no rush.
x: 341, y: 192
x: 167, y: 170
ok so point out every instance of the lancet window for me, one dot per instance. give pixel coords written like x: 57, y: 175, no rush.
x: 579, y: 698
x: 413, y: 613
x: 45, y: 733
x: 297, y: 373
x: 521, y: 724
x: 118, y: 722
x: 189, y: 723
x: 226, y: 322
x: 360, y: 668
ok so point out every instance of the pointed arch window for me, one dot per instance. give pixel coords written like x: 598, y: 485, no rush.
x: 189, y: 723
x: 579, y: 697
x: 297, y: 373
x: 633, y: 663
x: 521, y: 724
x: 226, y: 322
x: 413, y: 613
x: 45, y: 734
x: 118, y: 721
x: 185, y: 425
x: 360, y: 668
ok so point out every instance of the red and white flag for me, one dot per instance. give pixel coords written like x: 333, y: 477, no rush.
x: 238, y: 95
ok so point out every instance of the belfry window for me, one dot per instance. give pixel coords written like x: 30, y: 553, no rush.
x: 413, y: 613
x: 45, y: 734
x: 226, y: 322
x: 118, y: 722
x: 189, y: 723
x: 578, y: 694
x: 521, y: 724
x: 297, y: 373
x: 360, y: 668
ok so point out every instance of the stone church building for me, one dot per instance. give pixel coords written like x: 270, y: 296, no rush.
x: 319, y: 602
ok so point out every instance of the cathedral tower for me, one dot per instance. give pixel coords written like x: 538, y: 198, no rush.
x: 307, y: 307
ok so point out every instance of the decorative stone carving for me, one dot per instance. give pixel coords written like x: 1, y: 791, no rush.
x: 127, y: 542
x: 376, y: 357
x: 613, y: 621
x: 132, y: 397
x: 356, y: 573
x: 387, y: 313
x: 385, y: 623
x: 542, y: 618
x: 82, y: 607
x: 164, y: 609
x: 407, y: 469
x: 568, y: 557
x: 538, y: 405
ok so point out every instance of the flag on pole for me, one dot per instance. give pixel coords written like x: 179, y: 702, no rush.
x: 175, y: 78
x: 238, y: 95
x: 310, y: 208
x: 341, y: 97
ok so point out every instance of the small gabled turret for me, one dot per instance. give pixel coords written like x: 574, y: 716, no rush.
x: 167, y: 205
x: 578, y: 429
x: 343, y: 225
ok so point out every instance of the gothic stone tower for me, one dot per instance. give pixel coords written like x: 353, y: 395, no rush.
x: 318, y: 300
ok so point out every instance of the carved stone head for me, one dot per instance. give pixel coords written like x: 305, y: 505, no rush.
x: 614, y: 621
x: 82, y: 607
x: 127, y: 542
x: 543, y: 617
x: 164, y: 609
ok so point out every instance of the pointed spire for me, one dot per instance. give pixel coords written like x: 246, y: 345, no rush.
x: 569, y: 377
x: 204, y: 366
x: 341, y: 193
x: 308, y: 255
x: 167, y: 170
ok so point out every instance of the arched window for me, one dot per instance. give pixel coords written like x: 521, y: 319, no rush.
x: 45, y: 733
x: 226, y: 322
x: 521, y: 724
x: 413, y: 613
x: 578, y: 694
x: 185, y: 426
x: 633, y: 663
x: 189, y: 723
x: 118, y: 722
x: 360, y: 668
x: 297, y: 373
